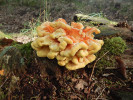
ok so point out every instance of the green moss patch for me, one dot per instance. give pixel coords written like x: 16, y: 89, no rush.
x: 116, y: 46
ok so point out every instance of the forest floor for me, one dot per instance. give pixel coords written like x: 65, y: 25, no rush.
x: 34, y: 84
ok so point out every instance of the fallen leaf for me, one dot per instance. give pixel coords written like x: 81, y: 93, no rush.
x: 107, y: 74
x: 73, y: 97
x: 6, y: 41
x: 121, y: 67
x: 81, y: 84
x: 73, y: 79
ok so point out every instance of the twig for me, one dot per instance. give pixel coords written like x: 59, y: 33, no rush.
x: 95, y: 65
x: 93, y: 72
x: 101, y: 93
x: 89, y: 89
x: 121, y: 80
x: 4, y: 81
x: 46, y: 10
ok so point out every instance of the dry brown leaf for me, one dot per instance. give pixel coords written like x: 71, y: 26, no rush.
x: 73, y: 97
x: 81, y: 85
x: 6, y: 41
x: 121, y: 67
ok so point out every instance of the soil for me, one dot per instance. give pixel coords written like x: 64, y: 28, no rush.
x: 16, y: 19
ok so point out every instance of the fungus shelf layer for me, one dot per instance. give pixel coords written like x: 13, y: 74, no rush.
x: 72, y: 45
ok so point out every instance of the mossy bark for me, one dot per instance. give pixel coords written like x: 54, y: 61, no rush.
x: 18, y: 57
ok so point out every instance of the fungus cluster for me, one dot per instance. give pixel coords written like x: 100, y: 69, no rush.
x: 72, y: 45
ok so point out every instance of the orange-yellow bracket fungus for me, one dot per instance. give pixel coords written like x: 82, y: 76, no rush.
x: 2, y: 72
x: 72, y: 45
